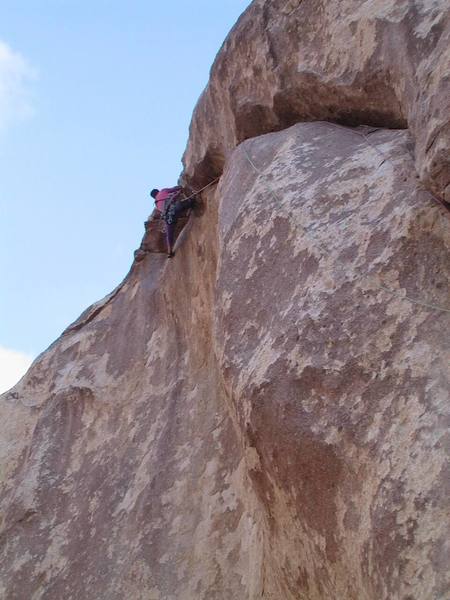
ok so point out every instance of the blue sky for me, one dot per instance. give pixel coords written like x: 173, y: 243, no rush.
x: 95, y: 102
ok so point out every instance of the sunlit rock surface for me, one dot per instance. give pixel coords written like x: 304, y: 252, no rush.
x: 374, y: 62
x: 264, y: 416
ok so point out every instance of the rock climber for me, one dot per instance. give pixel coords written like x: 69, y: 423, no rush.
x: 171, y: 207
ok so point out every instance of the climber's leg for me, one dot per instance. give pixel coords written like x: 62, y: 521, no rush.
x: 176, y: 209
x: 170, y: 235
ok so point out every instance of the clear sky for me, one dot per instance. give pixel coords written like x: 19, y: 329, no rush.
x: 95, y: 102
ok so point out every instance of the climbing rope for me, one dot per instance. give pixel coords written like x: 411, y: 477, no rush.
x: 365, y: 136
x: 162, y: 224
x: 419, y: 302
x: 324, y: 250
x: 201, y: 190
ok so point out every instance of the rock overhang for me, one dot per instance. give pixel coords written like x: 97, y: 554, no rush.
x: 348, y: 62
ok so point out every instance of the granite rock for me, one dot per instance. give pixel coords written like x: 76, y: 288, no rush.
x: 370, y: 62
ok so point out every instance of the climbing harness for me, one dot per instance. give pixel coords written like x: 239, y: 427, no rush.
x: 193, y: 193
x: 169, y: 213
x: 316, y: 243
x: 167, y: 216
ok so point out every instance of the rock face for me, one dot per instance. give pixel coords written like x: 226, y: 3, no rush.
x: 154, y: 239
x: 375, y: 62
x: 266, y: 415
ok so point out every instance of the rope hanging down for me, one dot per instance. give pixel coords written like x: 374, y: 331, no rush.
x: 325, y: 252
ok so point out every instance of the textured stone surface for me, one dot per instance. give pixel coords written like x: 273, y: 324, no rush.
x: 373, y: 62
x: 154, y: 239
x: 340, y: 388
x: 118, y: 457
x: 266, y: 415
x: 257, y: 418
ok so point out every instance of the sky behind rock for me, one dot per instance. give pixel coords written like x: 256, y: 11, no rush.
x: 95, y: 103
